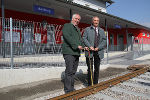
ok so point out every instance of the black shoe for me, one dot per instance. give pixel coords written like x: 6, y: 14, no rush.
x: 69, y: 91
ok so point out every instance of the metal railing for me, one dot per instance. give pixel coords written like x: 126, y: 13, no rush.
x: 38, y: 44
x: 31, y: 38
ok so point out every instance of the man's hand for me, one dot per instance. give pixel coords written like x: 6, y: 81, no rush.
x: 91, y: 48
x: 80, y: 47
x: 96, y: 49
x: 86, y: 48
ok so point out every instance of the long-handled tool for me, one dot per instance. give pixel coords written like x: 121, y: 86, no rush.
x: 90, y: 68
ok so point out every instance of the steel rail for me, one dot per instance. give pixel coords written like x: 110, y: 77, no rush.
x: 75, y: 95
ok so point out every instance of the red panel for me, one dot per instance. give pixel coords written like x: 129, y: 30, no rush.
x: 42, y: 31
x: 44, y: 36
x: 39, y: 18
x: 58, y: 33
x: 33, y: 17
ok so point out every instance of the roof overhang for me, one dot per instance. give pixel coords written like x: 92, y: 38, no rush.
x: 63, y: 8
x: 111, y: 19
x: 108, y: 1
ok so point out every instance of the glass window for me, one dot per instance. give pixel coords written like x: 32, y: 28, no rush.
x: 111, y: 39
x: 136, y: 41
x: 147, y: 35
x: 143, y: 34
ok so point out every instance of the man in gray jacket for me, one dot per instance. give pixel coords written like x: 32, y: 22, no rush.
x: 95, y: 42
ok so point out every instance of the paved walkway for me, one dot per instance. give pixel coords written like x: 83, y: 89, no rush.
x: 118, y: 61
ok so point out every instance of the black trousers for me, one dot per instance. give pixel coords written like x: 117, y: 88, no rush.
x: 96, y: 68
x: 71, y: 62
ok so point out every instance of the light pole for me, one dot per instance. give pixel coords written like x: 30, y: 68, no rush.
x: 107, y: 37
x: 3, y: 28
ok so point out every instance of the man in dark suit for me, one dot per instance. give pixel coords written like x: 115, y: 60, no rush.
x: 95, y: 41
x: 71, y: 51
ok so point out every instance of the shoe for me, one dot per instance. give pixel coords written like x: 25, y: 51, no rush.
x: 70, y: 91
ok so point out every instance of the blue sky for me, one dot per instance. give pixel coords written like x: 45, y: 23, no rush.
x: 137, y: 11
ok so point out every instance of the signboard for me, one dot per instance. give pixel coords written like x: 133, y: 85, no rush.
x: 42, y: 9
x: 117, y: 26
x: 15, y: 36
x: 37, y: 37
x: 27, y: 35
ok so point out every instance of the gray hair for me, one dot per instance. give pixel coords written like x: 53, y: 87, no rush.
x: 75, y: 15
x: 95, y: 17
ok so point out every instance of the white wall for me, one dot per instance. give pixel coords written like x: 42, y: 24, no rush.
x: 94, y: 4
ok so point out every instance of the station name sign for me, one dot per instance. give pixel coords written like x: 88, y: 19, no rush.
x: 117, y: 26
x: 41, y: 9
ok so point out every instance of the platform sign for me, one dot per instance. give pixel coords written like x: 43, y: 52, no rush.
x: 41, y: 9
x: 117, y: 26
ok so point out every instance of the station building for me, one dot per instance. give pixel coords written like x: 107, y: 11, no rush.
x: 39, y: 22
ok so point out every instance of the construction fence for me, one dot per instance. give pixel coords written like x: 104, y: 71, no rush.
x: 36, y: 44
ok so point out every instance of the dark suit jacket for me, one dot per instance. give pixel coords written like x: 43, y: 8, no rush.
x: 71, y: 39
x: 88, y: 38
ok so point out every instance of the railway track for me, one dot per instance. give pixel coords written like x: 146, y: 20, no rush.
x: 114, y: 88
